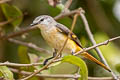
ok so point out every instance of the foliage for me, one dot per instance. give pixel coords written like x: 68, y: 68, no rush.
x: 6, y: 73
x: 78, y: 62
x: 12, y: 12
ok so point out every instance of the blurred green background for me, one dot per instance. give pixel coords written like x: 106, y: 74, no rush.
x: 103, y: 17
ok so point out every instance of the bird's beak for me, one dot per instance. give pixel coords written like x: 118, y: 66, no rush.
x: 33, y: 24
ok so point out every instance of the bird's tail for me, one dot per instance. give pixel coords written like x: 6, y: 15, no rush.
x: 90, y: 57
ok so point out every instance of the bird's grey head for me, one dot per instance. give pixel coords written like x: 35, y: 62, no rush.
x: 43, y: 20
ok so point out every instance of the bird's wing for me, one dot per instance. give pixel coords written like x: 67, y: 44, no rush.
x: 61, y: 28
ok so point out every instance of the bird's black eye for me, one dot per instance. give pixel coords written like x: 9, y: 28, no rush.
x: 41, y: 19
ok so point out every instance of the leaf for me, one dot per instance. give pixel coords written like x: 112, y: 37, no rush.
x: 6, y: 73
x: 23, y: 56
x: 78, y: 62
x: 117, y: 67
x: 12, y: 12
x: 60, y: 6
x: 24, y: 59
x: 63, y: 68
x: 53, y: 11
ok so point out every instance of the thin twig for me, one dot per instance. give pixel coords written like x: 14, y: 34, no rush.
x: 59, y: 52
x: 87, y: 28
x: 22, y: 31
x: 67, y: 5
x: 59, y: 75
x: 19, y: 65
x: 72, y: 27
x: 31, y: 45
x: 101, y: 78
x: 97, y: 45
x: 5, y: 22
x: 11, y: 20
x: 66, y: 14
x: 45, y: 75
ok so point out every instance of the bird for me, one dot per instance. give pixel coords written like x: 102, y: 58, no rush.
x: 55, y: 34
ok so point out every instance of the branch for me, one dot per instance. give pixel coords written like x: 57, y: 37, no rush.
x: 97, y: 45
x: 87, y: 28
x: 5, y: 22
x: 19, y: 32
x: 45, y: 75
x: 101, y: 78
x: 31, y: 45
x: 11, y: 19
x: 72, y: 27
x: 59, y: 76
x: 67, y: 5
x: 67, y: 14
x: 19, y: 65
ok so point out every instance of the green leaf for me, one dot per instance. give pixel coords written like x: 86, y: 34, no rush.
x: 53, y: 11
x: 60, y: 6
x: 6, y: 73
x: 78, y: 62
x: 12, y: 12
x: 25, y: 59
x: 117, y: 67
x: 23, y: 56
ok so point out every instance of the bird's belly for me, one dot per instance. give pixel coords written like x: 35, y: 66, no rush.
x: 56, y: 40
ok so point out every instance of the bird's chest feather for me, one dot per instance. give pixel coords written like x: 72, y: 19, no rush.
x: 56, y: 40
x: 53, y: 37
